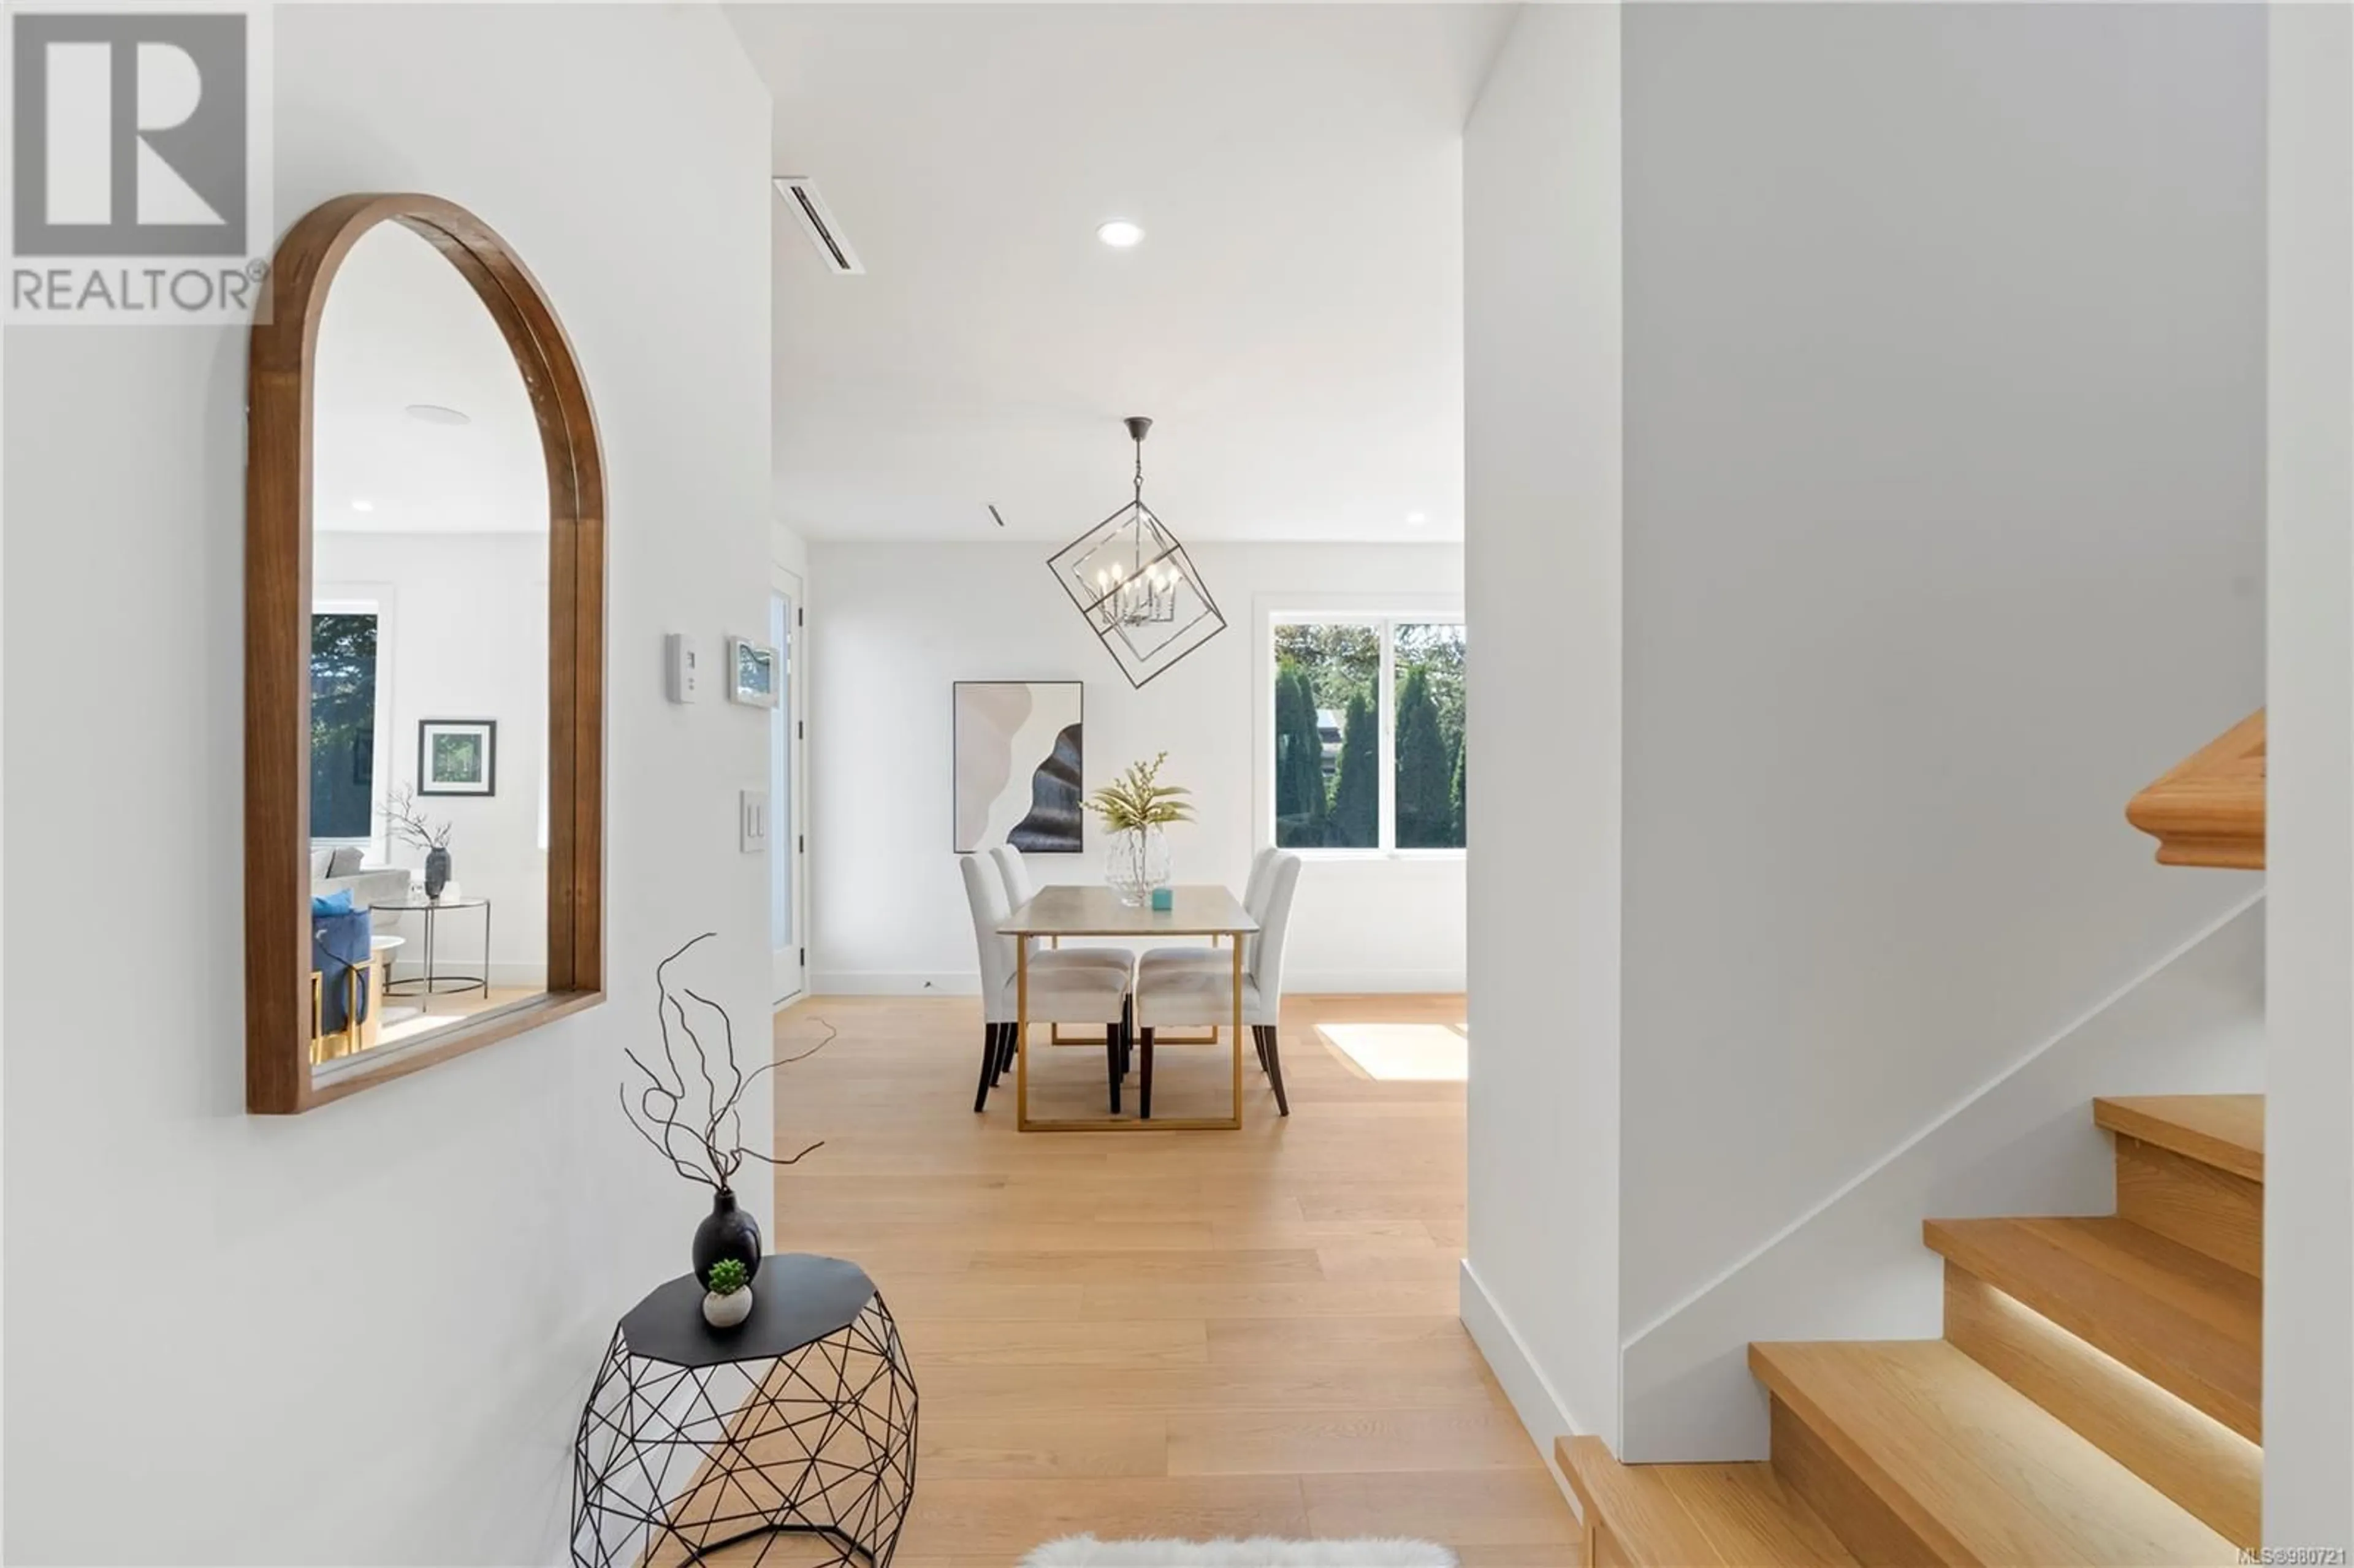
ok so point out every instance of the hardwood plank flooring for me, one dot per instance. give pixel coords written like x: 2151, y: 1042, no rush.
x: 1163, y: 1333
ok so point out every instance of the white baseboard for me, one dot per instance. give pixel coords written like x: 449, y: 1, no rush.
x: 1371, y: 983
x: 1542, y: 1414
x: 891, y: 982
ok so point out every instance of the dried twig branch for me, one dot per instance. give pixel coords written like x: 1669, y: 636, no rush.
x: 715, y: 1148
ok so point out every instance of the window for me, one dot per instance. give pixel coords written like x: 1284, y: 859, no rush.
x: 1368, y: 746
x: 343, y: 724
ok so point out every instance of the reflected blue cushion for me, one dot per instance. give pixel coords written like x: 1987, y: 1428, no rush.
x: 339, y: 944
x: 336, y: 903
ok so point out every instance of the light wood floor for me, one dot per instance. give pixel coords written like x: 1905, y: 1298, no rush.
x: 1164, y: 1333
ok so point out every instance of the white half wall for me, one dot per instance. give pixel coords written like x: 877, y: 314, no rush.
x: 1542, y: 554
x: 363, y: 1335
x: 892, y: 627
x: 1945, y: 435
x: 2309, y: 830
x: 467, y: 639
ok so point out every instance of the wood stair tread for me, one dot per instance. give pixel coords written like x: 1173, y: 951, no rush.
x: 2226, y: 1132
x: 1978, y: 1471
x: 1698, y: 1516
x: 2187, y: 1323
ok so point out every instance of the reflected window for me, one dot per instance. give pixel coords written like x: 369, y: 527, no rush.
x: 343, y: 724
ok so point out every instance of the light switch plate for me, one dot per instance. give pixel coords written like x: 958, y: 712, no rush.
x: 752, y: 821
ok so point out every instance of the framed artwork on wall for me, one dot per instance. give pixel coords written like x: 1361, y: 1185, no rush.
x: 752, y: 670
x: 457, y: 756
x: 1020, y: 765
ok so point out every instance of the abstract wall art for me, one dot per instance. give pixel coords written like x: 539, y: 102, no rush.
x: 1020, y: 764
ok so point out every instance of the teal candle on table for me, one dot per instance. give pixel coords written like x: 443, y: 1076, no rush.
x: 1164, y: 899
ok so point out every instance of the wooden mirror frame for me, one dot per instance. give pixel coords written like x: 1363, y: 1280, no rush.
x: 283, y: 359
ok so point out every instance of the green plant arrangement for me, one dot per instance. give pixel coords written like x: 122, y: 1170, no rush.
x: 726, y: 1277
x: 1137, y: 800
x: 1135, y: 806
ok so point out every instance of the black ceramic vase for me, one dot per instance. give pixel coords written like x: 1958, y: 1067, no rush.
x: 437, y: 872
x: 726, y: 1232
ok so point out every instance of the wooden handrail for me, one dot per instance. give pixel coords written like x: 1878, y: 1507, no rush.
x: 2208, y: 809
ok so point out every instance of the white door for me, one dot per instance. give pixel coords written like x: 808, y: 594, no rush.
x: 788, y: 842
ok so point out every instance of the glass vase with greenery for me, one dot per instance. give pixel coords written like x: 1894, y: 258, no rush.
x: 1134, y: 809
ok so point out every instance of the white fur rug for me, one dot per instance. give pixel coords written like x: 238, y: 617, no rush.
x: 1259, y: 1552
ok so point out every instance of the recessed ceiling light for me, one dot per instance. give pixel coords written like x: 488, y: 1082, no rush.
x: 363, y: 505
x: 435, y: 414
x: 1417, y: 519
x: 1120, y: 233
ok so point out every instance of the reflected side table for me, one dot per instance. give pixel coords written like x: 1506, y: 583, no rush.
x: 433, y: 982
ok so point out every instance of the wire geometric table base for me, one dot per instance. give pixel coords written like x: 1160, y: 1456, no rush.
x: 801, y: 1422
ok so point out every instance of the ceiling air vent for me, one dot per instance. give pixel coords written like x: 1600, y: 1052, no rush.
x: 817, y: 222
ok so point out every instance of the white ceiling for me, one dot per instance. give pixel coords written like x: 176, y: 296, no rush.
x: 401, y: 327
x: 1292, y: 321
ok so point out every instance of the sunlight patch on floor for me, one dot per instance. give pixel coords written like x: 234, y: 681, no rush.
x: 1402, y: 1052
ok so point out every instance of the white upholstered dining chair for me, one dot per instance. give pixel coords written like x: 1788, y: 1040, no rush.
x: 1019, y: 890
x: 1178, y: 986
x: 1064, y: 988
x: 1254, y: 899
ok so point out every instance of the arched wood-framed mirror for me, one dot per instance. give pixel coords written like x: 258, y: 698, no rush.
x: 328, y: 933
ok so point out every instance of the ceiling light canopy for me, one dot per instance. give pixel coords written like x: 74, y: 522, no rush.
x: 1121, y: 234
x: 1136, y: 585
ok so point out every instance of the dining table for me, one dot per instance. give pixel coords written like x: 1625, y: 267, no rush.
x: 1077, y: 910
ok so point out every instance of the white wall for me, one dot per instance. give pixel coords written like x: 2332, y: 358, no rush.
x: 2309, y: 1158
x: 1943, y: 534
x: 789, y: 550
x: 1542, y: 568
x: 363, y: 1335
x: 893, y: 627
x: 467, y: 615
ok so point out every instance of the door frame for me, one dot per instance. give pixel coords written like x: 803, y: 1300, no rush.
x: 790, y: 838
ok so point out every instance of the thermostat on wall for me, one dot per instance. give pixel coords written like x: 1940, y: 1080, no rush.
x: 679, y: 672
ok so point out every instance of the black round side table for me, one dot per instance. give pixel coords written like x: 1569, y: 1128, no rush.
x: 799, y: 1420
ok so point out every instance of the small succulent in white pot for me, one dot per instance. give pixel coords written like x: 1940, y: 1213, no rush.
x: 727, y: 1294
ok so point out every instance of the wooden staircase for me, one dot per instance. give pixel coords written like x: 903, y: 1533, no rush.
x: 2095, y: 1399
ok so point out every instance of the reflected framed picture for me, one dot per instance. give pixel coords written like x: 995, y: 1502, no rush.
x: 457, y: 756
x: 751, y: 672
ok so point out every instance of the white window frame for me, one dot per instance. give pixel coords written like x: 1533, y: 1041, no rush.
x: 377, y: 599
x: 1384, y: 612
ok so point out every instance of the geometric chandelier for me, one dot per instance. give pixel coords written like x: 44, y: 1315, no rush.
x: 1138, y: 589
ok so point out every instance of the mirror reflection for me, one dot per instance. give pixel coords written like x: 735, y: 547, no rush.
x: 428, y: 661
